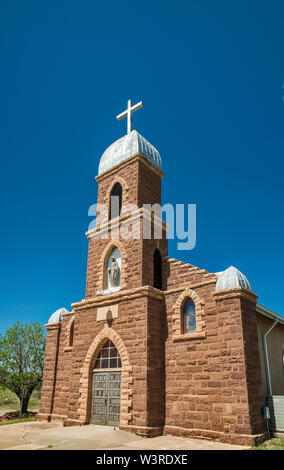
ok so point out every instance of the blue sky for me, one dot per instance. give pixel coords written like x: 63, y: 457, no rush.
x: 211, y: 76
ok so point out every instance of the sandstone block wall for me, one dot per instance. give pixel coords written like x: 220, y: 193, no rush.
x: 205, y: 384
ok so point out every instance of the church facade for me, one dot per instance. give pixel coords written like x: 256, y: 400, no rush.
x: 157, y: 345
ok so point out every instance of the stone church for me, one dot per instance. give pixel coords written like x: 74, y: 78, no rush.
x: 158, y: 345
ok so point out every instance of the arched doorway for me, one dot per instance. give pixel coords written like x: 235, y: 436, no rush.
x: 106, y: 386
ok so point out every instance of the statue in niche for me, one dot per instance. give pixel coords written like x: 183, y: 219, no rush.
x: 113, y: 272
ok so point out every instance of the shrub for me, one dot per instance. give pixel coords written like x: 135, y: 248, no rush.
x: 7, y: 397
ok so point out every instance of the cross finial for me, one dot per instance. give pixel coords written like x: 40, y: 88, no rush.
x: 128, y: 112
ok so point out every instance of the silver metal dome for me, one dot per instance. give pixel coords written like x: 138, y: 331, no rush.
x: 128, y: 145
x: 231, y: 278
x: 56, y: 317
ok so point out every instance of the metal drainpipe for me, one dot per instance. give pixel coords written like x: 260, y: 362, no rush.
x: 267, y: 368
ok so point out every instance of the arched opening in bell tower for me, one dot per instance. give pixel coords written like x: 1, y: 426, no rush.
x: 115, y: 201
x: 157, y: 261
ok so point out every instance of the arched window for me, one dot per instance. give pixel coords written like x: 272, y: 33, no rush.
x: 189, y: 317
x: 157, y: 259
x: 115, y: 201
x: 108, y: 357
x: 71, y: 334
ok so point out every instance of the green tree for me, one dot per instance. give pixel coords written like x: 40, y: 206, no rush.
x: 21, y: 360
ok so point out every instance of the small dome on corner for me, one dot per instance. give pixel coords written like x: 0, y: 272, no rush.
x: 56, y: 317
x: 231, y: 278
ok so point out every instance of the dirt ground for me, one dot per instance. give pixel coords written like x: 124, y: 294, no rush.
x: 53, y: 436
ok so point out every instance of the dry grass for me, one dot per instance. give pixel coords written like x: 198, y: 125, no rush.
x: 277, y: 443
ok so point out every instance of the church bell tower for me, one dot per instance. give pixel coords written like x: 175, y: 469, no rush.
x: 125, y: 273
x: 129, y: 182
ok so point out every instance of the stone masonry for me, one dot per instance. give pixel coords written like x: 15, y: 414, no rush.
x: 203, y: 384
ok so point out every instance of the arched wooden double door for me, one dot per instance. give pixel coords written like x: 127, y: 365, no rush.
x: 106, y: 387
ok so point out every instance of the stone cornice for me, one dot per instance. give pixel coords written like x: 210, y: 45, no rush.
x: 114, y: 224
x: 240, y: 292
x: 68, y: 314
x: 133, y: 158
x: 53, y: 326
x: 122, y: 295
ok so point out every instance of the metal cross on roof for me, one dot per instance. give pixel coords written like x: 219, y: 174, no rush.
x: 128, y: 113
